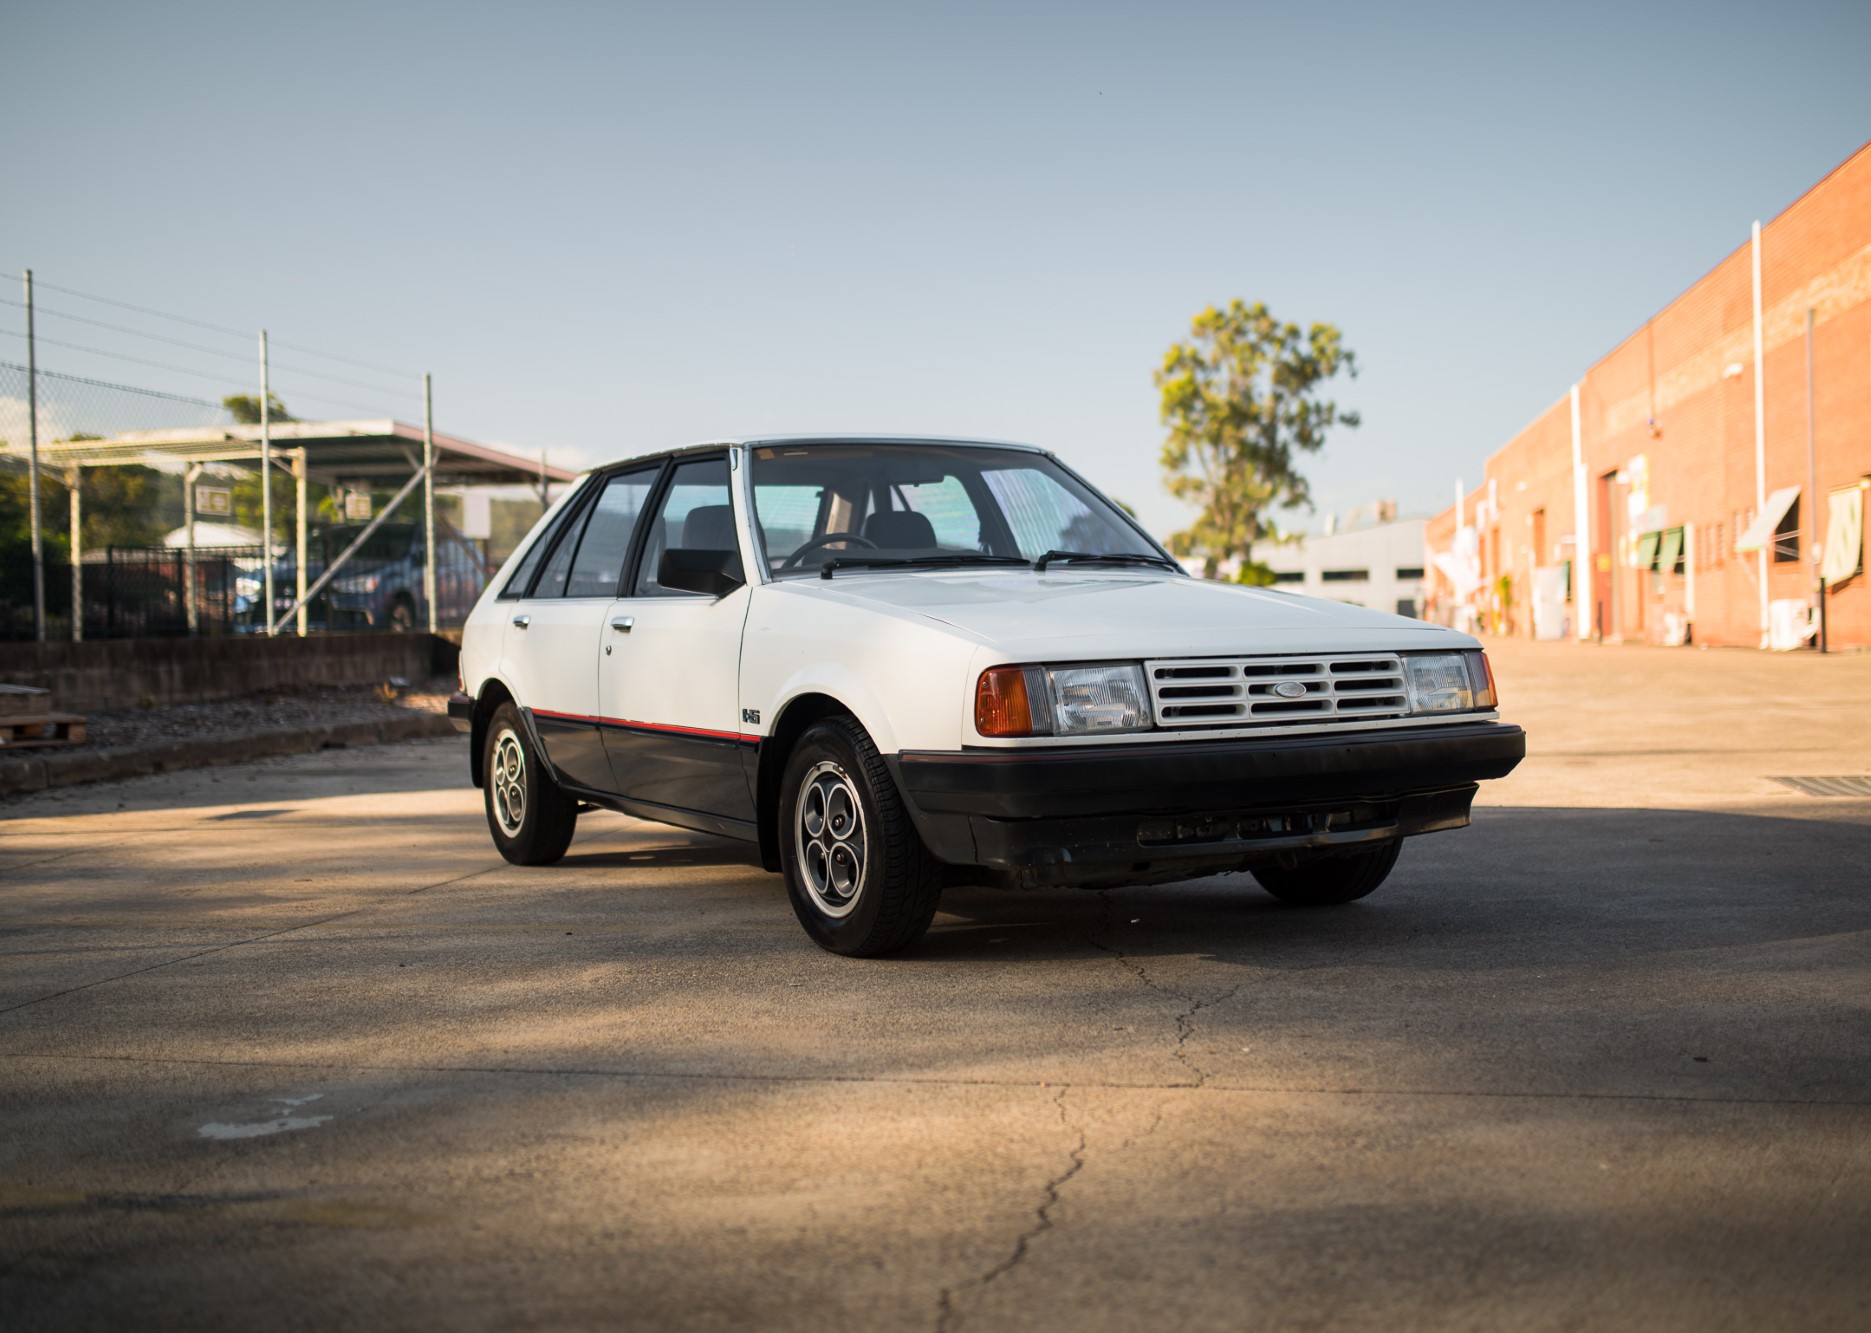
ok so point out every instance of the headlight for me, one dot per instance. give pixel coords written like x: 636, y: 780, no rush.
x: 1449, y: 682
x: 359, y: 583
x: 1061, y: 701
x: 247, y: 587
x: 1098, y: 698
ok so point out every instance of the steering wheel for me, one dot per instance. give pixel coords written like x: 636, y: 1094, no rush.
x: 797, y: 558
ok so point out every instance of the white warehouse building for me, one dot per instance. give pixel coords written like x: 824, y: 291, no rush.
x: 1372, y: 559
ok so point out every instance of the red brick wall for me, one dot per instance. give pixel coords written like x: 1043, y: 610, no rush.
x: 1670, y: 412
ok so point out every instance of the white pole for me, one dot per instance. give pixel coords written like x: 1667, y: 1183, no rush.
x: 1760, y: 425
x: 32, y: 433
x: 1689, y: 573
x: 189, y: 478
x: 266, y: 483
x: 73, y: 477
x: 298, y: 533
x: 1584, y: 576
x: 428, y: 500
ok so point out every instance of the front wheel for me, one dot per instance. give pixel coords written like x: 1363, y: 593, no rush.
x: 860, y: 879
x: 1326, y: 881
x: 529, y: 814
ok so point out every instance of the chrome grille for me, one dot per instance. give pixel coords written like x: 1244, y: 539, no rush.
x: 1243, y: 691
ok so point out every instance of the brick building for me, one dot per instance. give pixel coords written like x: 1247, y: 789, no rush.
x: 1683, y: 456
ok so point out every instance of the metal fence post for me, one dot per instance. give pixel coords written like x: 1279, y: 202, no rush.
x: 32, y: 433
x: 428, y: 502
x: 77, y: 555
x: 189, y: 478
x: 266, y: 484
x: 298, y: 495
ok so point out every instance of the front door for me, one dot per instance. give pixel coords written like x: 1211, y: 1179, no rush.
x: 558, y: 632
x: 669, y: 676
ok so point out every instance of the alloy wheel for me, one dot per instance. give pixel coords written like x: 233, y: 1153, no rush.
x: 509, y: 783
x: 830, y: 839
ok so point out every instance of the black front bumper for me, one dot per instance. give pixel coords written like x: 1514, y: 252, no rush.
x: 1127, y: 813
x: 461, y: 711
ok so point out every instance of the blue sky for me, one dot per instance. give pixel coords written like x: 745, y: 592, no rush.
x: 607, y: 228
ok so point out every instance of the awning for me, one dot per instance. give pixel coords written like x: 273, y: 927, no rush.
x: 1761, y: 531
x: 1845, y: 535
x: 1671, y: 551
x: 1647, y: 550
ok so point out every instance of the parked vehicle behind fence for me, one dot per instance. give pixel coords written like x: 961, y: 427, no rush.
x: 380, y: 587
x: 899, y: 664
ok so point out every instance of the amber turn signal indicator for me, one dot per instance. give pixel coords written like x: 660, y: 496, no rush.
x: 1485, y: 694
x: 1001, y: 704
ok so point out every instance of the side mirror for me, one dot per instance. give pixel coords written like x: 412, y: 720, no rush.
x: 714, y: 573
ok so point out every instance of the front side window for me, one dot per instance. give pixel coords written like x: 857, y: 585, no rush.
x: 928, y: 505
x: 697, y: 514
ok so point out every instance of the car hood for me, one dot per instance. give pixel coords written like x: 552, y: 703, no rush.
x: 1133, y: 614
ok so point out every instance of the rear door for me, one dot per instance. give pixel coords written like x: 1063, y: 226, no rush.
x: 558, y: 629
x: 669, y: 679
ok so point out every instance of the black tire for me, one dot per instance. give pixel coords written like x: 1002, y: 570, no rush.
x: 402, y: 617
x: 531, y: 818
x: 1327, y: 881
x: 881, y: 897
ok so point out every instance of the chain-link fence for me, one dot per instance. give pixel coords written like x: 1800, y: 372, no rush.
x: 132, y: 584
x: 120, y: 464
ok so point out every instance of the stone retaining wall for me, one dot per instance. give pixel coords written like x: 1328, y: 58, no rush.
x: 126, y: 673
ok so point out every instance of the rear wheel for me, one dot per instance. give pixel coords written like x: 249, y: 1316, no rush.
x: 402, y: 618
x: 1326, y: 881
x: 530, y: 816
x: 860, y: 879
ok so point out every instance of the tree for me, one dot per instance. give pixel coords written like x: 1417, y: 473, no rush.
x: 1241, y: 400
x: 245, y: 408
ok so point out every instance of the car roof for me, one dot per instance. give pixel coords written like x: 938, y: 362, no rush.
x: 778, y: 441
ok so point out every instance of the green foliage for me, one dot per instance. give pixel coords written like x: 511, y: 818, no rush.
x: 1254, y: 574
x: 1241, y: 400
x: 245, y: 408
x: 122, y: 506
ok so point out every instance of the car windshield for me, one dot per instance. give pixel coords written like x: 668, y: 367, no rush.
x: 929, y: 506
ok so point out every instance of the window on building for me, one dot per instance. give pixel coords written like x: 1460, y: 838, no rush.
x: 1409, y: 573
x: 1289, y: 576
x: 1670, y: 552
x: 1787, y: 535
x: 1406, y: 606
x: 1346, y: 575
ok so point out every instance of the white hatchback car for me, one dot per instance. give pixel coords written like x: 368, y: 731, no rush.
x: 901, y: 663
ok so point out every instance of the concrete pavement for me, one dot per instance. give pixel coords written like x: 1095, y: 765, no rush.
x: 287, y: 1043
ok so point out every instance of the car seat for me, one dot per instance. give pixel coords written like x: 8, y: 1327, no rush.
x: 900, y: 530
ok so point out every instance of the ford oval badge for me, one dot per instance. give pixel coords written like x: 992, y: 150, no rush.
x: 1290, y: 689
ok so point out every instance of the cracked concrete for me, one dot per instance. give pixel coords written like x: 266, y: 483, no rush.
x: 948, y: 1315
x: 1601, y: 1060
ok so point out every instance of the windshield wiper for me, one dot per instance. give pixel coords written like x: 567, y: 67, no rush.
x: 892, y: 562
x: 1115, y: 558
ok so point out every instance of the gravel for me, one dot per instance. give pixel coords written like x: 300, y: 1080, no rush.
x: 274, y: 711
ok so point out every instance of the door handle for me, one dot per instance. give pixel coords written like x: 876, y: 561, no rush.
x: 521, y: 622
x: 622, y: 624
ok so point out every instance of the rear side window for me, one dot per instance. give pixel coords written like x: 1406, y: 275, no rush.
x: 563, y: 531
x: 598, y: 568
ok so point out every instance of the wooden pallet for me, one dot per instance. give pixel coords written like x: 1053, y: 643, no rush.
x: 23, y: 699
x: 21, y: 730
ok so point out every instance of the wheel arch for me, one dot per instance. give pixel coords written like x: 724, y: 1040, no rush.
x: 799, y: 713
x: 493, y: 694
